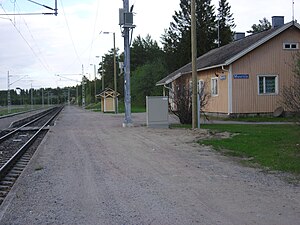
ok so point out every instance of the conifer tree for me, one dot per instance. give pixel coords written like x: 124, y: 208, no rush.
x: 263, y: 25
x: 177, y: 38
x: 225, y: 23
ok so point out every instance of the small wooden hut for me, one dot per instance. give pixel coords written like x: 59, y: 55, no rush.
x: 108, y: 98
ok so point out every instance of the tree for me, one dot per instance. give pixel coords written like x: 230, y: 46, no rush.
x: 263, y: 25
x: 177, y: 38
x: 143, y: 51
x: 182, y: 99
x: 291, y: 94
x: 143, y: 81
x: 225, y: 23
x: 108, y: 67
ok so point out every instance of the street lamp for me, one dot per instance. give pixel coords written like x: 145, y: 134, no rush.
x: 115, y: 69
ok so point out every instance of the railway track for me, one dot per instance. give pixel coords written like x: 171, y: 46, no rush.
x: 18, y: 144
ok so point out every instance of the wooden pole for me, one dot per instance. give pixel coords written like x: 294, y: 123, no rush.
x: 194, y: 62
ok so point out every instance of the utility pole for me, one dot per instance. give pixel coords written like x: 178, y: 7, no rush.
x: 102, y: 76
x: 8, y: 94
x: 95, y: 73
x: 194, y: 64
x: 115, y: 75
x: 43, y: 97
x: 126, y: 22
x: 31, y: 96
x: 8, y: 90
x: 83, y: 88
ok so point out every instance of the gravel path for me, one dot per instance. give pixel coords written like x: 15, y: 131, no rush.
x: 90, y: 170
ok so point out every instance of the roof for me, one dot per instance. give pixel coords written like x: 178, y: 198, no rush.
x: 227, y: 54
x: 107, y: 93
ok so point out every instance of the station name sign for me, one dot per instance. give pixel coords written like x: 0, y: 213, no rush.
x: 241, y: 76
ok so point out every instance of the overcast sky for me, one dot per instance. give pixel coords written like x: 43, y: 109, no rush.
x: 41, y: 46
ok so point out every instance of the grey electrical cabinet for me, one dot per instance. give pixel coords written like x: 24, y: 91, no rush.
x: 157, y: 111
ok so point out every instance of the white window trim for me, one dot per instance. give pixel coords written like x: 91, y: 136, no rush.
x: 276, y: 85
x: 290, y: 44
x: 212, y: 94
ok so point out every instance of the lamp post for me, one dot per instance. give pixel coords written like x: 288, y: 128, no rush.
x: 115, y: 70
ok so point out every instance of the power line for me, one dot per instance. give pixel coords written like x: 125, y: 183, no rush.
x: 70, y: 34
x: 26, y: 41
x: 36, y: 43
x: 94, y: 31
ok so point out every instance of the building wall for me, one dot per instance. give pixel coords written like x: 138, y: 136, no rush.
x: 217, y: 103
x: 268, y: 59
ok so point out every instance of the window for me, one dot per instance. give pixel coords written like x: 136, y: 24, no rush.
x: 291, y: 45
x: 267, y: 84
x: 214, y: 86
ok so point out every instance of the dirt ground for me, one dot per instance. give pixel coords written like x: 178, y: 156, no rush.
x: 91, y: 170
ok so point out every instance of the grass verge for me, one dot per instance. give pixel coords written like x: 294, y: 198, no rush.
x: 276, y: 147
x: 18, y: 109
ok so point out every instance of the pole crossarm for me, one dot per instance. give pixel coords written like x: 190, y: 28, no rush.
x: 18, y: 79
x: 58, y: 75
x: 30, y: 14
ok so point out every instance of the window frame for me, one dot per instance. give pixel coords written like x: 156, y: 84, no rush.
x: 213, y: 87
x: 290, y: 45
x: 264, y: 85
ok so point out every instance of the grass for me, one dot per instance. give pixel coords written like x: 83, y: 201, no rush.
x: 259, y: 119
x: 134, y: 108
x: 17, y: 109
x: 264, y: 119
x: 276, y: 147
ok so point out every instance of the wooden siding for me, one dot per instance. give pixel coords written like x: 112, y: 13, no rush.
x: 218, y: 103
x: 268, y: 59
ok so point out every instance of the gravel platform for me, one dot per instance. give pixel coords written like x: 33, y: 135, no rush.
x: 89, y: 170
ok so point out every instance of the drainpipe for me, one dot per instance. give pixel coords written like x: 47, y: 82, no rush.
x: 165, y: 87
x: 229, y: 88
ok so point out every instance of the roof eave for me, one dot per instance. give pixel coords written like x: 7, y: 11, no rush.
x: 259, y: 43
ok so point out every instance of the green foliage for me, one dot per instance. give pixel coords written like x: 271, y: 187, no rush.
x: 291, y: 93
x: 226, y: 23
x: 263, y: 25
x: 274, y: 146
x: 147, y: 68
x: 144, y: 50
x: 177, y: 38
x: 143, y: 81
x: 107, y: 68
x: 135, y: 108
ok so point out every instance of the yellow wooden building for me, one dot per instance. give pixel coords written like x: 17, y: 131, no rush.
x: 248, y: 75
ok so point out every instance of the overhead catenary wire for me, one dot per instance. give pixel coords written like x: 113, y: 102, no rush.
x: 94, y: 31
x: 28, y: 44
x: 70, y: 34
x: 35, y: 42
